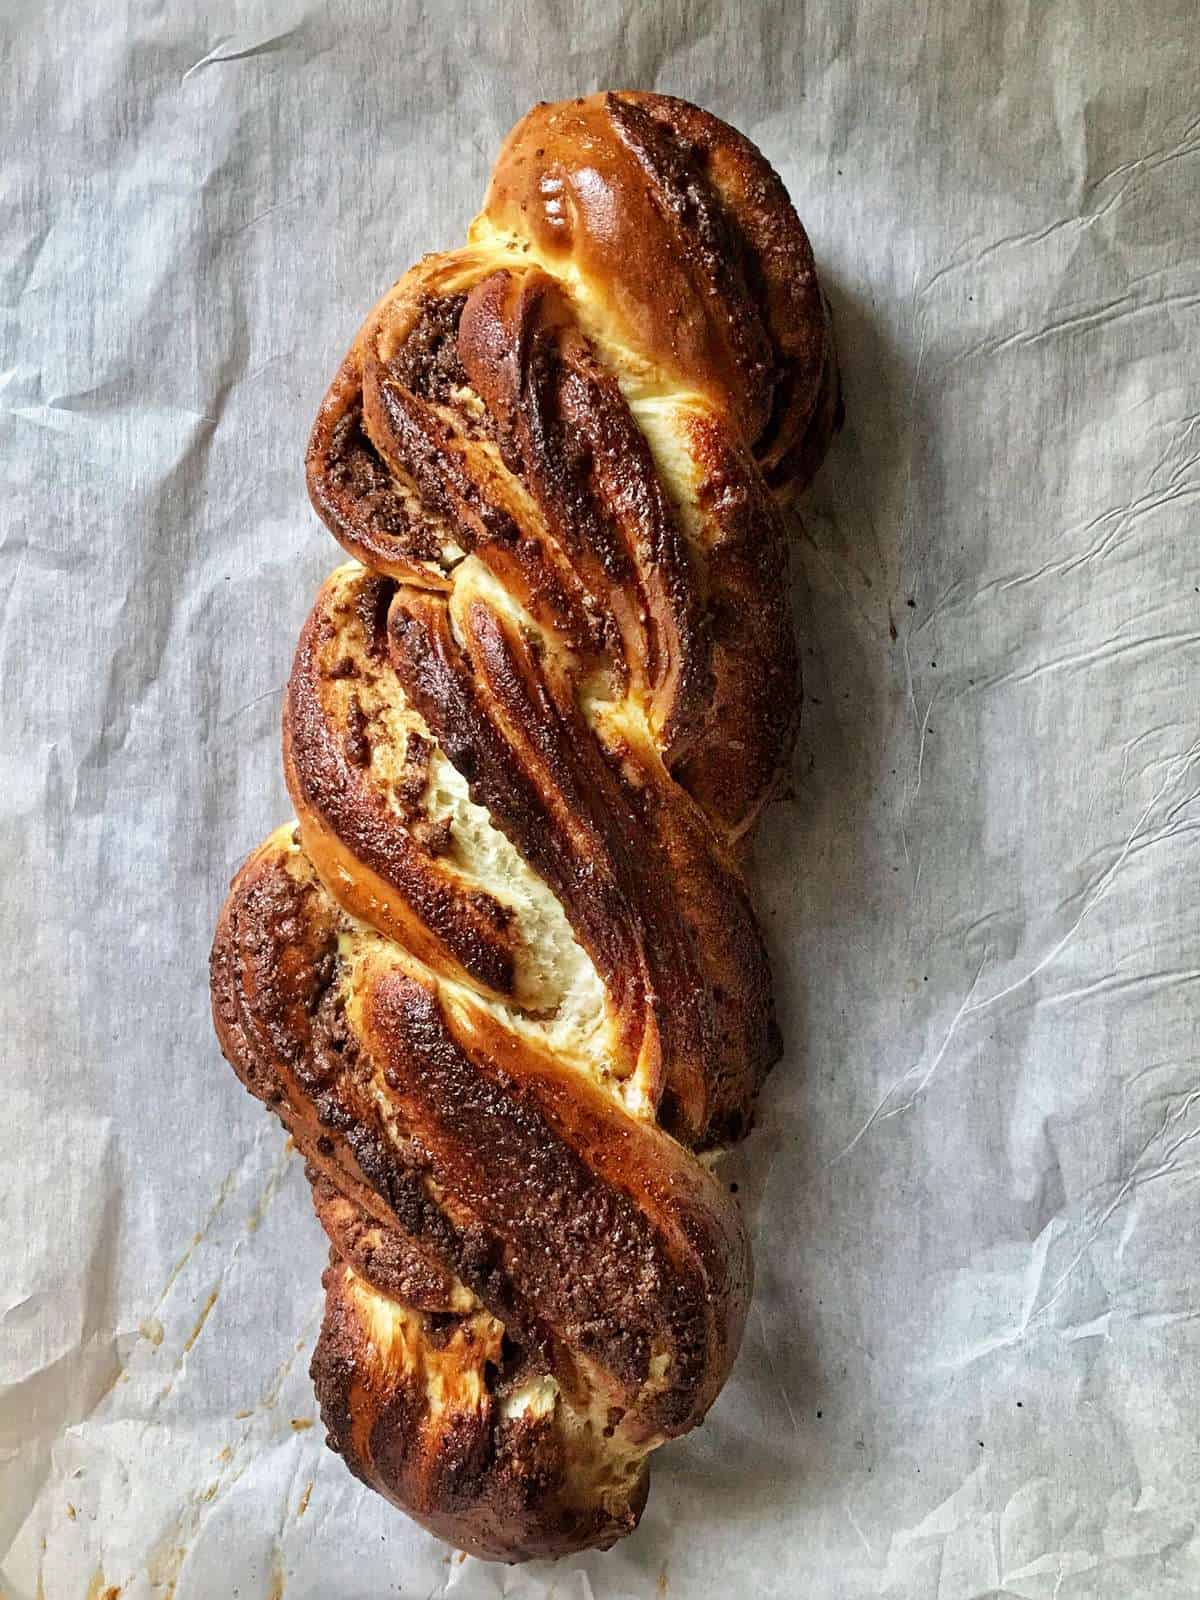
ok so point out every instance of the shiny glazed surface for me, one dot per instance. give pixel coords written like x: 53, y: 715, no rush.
x: 502, y: 980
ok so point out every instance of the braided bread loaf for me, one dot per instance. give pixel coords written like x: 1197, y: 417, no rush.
x: 501, y: 980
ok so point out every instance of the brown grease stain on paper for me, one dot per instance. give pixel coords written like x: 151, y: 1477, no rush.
x: 199, y: 1328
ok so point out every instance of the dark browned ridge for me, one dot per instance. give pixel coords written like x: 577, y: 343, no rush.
x: 501, y: 980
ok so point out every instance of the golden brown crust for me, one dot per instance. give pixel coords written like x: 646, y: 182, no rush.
x: 502, y: 982
x: 690, y: 234
x: 517, y: 1197
x: 497, y: 1486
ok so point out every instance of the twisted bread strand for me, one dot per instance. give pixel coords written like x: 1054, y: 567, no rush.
x: 502, y: 981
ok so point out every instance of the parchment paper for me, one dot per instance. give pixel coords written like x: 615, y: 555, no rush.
x: 971, y: 1368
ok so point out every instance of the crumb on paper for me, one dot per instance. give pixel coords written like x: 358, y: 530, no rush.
x: 300, y: 1423
x: 305, y: 1497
